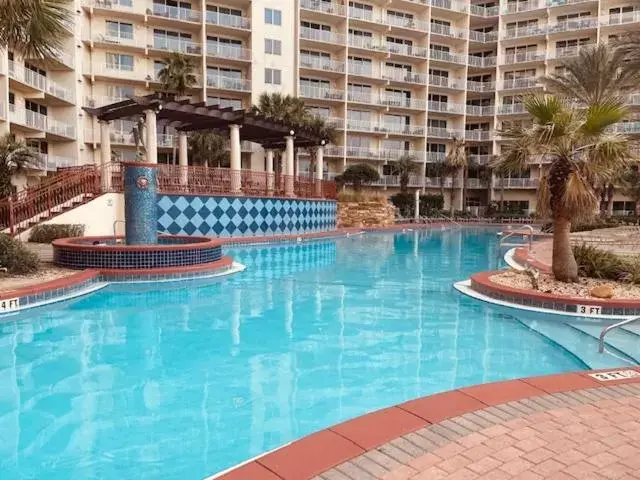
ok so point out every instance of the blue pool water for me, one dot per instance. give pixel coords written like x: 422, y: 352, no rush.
x: 179, y: 382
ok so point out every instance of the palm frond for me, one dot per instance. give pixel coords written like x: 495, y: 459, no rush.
x: 579, y: 200
x: 600, y: 116
x: 606, y: 158
x: 457, y: 156
x: 543, y: 201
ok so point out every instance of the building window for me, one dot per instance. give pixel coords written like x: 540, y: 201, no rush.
x: 272, y: 47
x: 272, y: 76
x: 119, y: 61
x: 272, y: 16
x: 119, y: 30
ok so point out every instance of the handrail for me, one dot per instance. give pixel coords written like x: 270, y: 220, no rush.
x: 606, y: 330
x: 511, y: 234
x: 450, y: 219
x: 116, y: 222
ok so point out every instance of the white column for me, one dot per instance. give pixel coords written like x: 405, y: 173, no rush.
x: 270, y: 174
x: 288, y: 167
x: 152, y: 136
x: 183, y: 158
x: 416, y: 209
x: 105, y: 155
x: 236, y: 163
x: 319, y: 169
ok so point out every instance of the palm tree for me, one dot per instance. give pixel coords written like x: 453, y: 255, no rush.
x: 15, y: 157
x: 208, y: 149
x: 177, y: 74
x: 404, y: 167
x: 455, y: 160
x: 283, y: 108
x: 318, y: 126
x: 629, y: 46
x: 583, y: 151
x: 35, y: 28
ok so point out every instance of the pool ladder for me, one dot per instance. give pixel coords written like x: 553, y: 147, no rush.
x: 516, y: 232
x: 608, y: 329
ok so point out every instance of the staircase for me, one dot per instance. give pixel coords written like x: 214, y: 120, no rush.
x: 55, y: 195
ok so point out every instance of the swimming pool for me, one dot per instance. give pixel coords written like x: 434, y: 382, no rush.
x: 173, y: 381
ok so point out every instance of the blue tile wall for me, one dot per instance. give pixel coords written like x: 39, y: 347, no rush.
x: 243, y: 216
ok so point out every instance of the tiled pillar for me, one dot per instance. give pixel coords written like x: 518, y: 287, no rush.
x: 105, y: 155
x: 140, y: 203
x: 236, y: 164
x: 270, y: 175
x: 152, y: 136
x: 319, y: 169
x: 288, y: 167
x: 183, y: 159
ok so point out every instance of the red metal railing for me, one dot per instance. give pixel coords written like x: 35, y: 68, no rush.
x: 35, y: 204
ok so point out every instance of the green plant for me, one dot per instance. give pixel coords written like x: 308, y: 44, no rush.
x: 358, y: 175
x: 15, y: 257
x: 404, y: 167
x: 455, y: 161
x: 177, y: 74
x: 405, y: 203
x: 15, y: 157
x: 47, y: 233
x: 596, y: 263
x: 208, y: 149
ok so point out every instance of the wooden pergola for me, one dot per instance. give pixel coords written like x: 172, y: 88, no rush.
x: 185, y: 116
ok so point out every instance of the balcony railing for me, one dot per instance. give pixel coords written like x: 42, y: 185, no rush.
x: 512, y: 109
x: 176, y: 13
x: 621, y: 18
x: 51, y: 163
x: 454, y: 5
x: 478, y: 135
x: 322, y: 93
x: 401, y: 129
x: 436, y: 157
x: 224, y: 50
x: 479, y: 159
x: 523, y: 57
x: 321, y: 63
x: 176, y: 44
x: 364, y: 70
x: 521, y: 32
x: 361, y: 125
x: 402, y: 102
x: 398, y: 75
x: 516, y: 7
x: 479, y: 111
x: 483, y: 37
x: 320, y: 6
x: 565, y: 52
x: 447, y: 31
x: 321, y: 36
x: 37, y: 121
x: 335, y: 122
x: 437, y: 182
x: 366, y: 43
x: 634, y: 99
x: 482, y: 62
x: 39, y: 82
x: 394, y: 181
x: 360, y: 97
x: 122, y: 39
x: 446, y: 82
x: 477, y: 183
x: 229, y: 83
x: 408, y: 50
x: 110, y: 4
x: 573, y: 25
x: 481, y: 11
x: 445, y: 107
x: 481, y: 86
x: 517, y: 182
x: 515, y: 83
x: 226, y: 20
x: 403, y: 22
x: 444, y: 133
x: 446, y: 56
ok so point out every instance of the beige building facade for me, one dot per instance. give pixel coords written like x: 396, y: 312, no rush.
x: 395, y: 77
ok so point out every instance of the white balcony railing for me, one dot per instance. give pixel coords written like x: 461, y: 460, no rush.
x: 526, y: 6
x: 477, y: 183
x: 482, y: 62
x: 479, y: 159
x: 515, y: 83
x: 361, y: 125
x: 445, y: 107
x: 37, y: 121
x: 228, y: 83
x: 446, y: 56
x: 483, y: 37
x: 517, y: 182
x: 404, y: 22
x: 40, y: 82
x: 478, y: 135
x: 176, y: 13
x: 512, y: 109
x: 399, y: 101
x: 224, y: 50
x: 446, y: 82
x: 627, y: 127
x: 454, y: 5
x: 322, y: 93
x: 444, y: 133
x: 226, y: 20
x: 573, y: 25
x: 359, y: 97
x: 481, y: 11
x: 480, y: 111
x: 364, y: 70
x: 321, y: 63
x: 125, y: 6
x: 321, y: 36
x: 170, y: 44
x: 481, y: 86
x: 436, y: 157
x: 447, y: 31
x: 523, y: 57
x: 621, y: 18
x: 122, y: 39
x: 565, y: 52
x: 408, y: 50
x: 400, y: 75
x: 322, y: 6
x: 521, y: 32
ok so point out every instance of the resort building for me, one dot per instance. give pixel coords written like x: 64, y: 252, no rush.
x: 395, y: 77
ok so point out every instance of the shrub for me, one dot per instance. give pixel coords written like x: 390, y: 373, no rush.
x: 596, y: 263
x: 15, y: 257
x: 49, y: 233
x: 358, y: 175
x: 429, y: 204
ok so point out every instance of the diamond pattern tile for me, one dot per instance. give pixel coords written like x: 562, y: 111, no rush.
x: 243, y: 216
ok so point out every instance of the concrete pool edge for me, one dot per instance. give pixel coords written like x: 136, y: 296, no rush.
x: 396, y: 433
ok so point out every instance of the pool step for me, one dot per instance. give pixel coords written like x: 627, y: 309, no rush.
x: 632, y: 328
x: 622, y: 340
x: 580, y: 344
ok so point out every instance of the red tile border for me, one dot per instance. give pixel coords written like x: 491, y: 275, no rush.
x: 377, y: 428
x: 250, y: 471
x: 501, y: 392
x: 441, y: 406
x: 50, y: 285
x: 80, y: 244
x: 521, y: 255
x: 562, y: 382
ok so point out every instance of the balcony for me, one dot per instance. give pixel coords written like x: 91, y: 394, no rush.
x: 523, y: 57
x: 567, y: 52
x: 438, y: 182
x: 101, y: 101
x: 397, y: 75
x: 39, y: 82
x: 321, y: 63
x: 522, y: 32
x: 446, y: 57
x: 175, y: 13
x: 403, y: 129
x: 37, y: 121
x: 121, y: 71
x: 563, y: 3
x: 436, y: 157
x: 407, y: 50
x: 51, y: 163
x: 228, y: 83
x: 122, y: 40
x: 519, y: 83
x: 362, y: 70
x: 446, y: 82
x: 621, y: 19
x: 396, y: 154
x: 634, y: 99
x: 366, y: 43
x: 447, y: 31
x: 335, y: 122
x: 316, y: 35
x: 437, y: 132
x: 225, y: 50
x: 527, y: 6
x: 573, y: 25
x: 226, y: 20
x: 486, y: 12
x: 176, y: 45
x: 398, y: 101
x: 478, y: 135
x: 478, y: 111
x: 109, y: 5
x: 477, y: 183
x: 479, y: 159
x: 409, y: 23
x: 359, y: 97
x: 361, y: 126
x: 321, y: 93
x: 482, y: 62
x: 483, y: 37
x: 394, y: 181
x: 445, y: 107
x: 517, y: 182
x: 452, y: 5
x: 481, y: 86
x: 324, y: 7
x: 512, y: 109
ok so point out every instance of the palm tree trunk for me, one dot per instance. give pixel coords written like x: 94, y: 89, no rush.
x: 563, y: 263
x: 465, y: 175
x: 451, y: 196
x: 610, y: 192
x: 502, y: 197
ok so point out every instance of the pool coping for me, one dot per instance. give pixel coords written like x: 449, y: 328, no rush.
x: 319, y: 452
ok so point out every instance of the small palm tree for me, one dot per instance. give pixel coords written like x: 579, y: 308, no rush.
x: 284, y: 108
x: 583, y: 151
x: 208, y: 149
x: 15, y: 157
x: 35, y: 28
x: 318, y: 126
x: 456, y: 160
x: 177, y: 74
x: 404, y: 167
x: 629, y: 46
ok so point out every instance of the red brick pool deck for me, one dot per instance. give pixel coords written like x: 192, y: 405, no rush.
x: 563, y: 427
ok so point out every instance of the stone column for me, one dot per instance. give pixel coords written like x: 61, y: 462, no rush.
x: 236, y: 163
x: 270, y: 174
x: 183, y: 159
x: 288, y: 168
x: 105, y: 155
x: 152, y: 136
x: 416, y: 206
x: 319, y: 169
